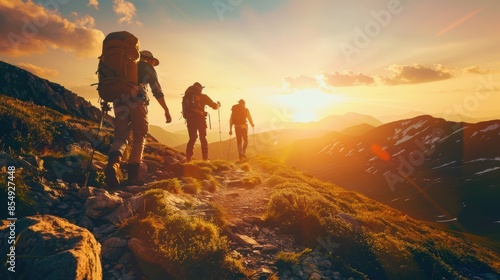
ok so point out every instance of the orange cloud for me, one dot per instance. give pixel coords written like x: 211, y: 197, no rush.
x: 85, y: 21
x: 416, y: 74
x: 346, y: 79
x: 38, y: 70
x: 127, y: 12
x: 29, y: 28
x: 94, y: 4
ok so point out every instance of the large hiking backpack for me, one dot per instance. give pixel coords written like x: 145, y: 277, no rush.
x: 238, y: 114
x: 117, y: 70
x: 189, y: 102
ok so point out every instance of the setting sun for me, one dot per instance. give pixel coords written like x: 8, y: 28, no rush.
x: 306, y: 105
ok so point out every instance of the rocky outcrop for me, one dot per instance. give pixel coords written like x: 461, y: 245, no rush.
x: 25, y: 86
x: 56, y: 248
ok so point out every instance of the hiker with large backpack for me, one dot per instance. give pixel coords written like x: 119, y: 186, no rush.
x: 239, y: 116
x: 121, y: 57
x: 193, y: 110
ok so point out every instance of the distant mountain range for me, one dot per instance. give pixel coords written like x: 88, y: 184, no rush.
x: 263, y: 142
x: 433, y: 169
x: 338, y: 122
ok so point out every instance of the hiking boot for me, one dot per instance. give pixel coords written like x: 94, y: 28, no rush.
x: 111, y: 170
x: 136, y: 174
x: 189, y: 155
x: 242, y: 156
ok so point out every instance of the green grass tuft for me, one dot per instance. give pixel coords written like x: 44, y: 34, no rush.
x: 25, y: 201
x: 187, y: 247
x: 286, y: 260
x: 172, y: 185
x: 192, y: 186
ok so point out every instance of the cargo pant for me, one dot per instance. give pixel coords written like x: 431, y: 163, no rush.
x: 130, y: 116
x: 241, y: 138
x: 197, y: 127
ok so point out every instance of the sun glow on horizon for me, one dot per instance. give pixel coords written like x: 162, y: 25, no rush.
x: 310, y: 104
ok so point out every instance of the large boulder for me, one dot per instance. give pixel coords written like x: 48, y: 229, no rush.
x: 50, y: 247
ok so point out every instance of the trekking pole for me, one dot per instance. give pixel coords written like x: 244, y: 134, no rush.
x: 104, y: 108
x: 209, y: 121
x: 229, y: 147
x: 220, y: 133
x: 253, y: 136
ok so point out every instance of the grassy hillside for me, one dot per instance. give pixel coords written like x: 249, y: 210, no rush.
x: 164, y: 136
x: 63, y: 144
x: 449, y: 178
x: 372, y: 240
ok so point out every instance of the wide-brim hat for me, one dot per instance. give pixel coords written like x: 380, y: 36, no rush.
x: 148, y: 54
x: 198, y: 85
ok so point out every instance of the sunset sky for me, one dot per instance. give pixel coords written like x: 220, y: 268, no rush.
x: 290, y: 60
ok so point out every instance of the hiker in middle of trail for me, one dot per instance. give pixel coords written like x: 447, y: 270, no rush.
x: 239, y: 116
x: 193, y: 110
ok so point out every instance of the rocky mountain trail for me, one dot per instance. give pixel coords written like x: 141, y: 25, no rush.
x: 242, y: 198
x: 252, y: 239
x: 240, y: 202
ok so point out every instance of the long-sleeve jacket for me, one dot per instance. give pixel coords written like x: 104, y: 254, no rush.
x: 147, y: 76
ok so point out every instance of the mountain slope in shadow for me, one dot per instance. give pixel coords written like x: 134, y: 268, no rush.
x: 433, y: 169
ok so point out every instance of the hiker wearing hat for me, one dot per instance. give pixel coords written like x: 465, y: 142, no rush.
x: 131, y: 115
x: 239, y: 116
x: 193, y: 110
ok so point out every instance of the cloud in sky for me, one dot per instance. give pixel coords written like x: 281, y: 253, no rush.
x: 28, y: 28
x: 416, y: 74
x: 126, y: 11
x: 401, y: 75
x: 94, y: 4
x: 300, y: 82
x: 85, y: 21
x: 346, y: 79
x: 478, y: 70
x: 38, y: 70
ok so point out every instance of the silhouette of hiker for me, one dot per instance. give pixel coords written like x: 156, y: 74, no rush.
x: 239, y: 116
x: 193, y: 107
x: 131, y: 115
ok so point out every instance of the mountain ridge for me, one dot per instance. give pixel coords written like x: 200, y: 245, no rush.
x: 414, y: 162
x: 23, y: 85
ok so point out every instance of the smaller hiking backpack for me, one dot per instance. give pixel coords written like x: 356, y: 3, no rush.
x: 118, y: 66
x: 239, y: 114
x: 189, y: 102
